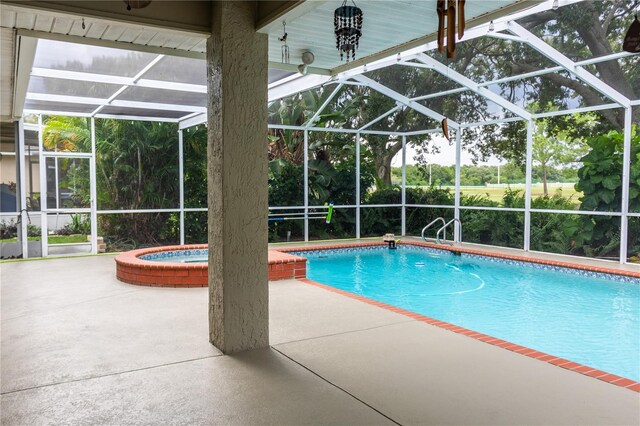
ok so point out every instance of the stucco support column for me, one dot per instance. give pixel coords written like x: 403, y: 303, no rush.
x: 237, y: 179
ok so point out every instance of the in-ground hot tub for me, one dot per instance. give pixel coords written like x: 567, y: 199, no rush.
x: 186, y: 266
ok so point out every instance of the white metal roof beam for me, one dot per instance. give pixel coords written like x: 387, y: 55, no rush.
x: 550, y: 70
x: 315, y: 116
x: 422, y: 132
x: 502, y: 36
x: 134, y: 81
x: 122, y: 81
x: 381, y: 117
x: 488, y: 122
x: 137, y: 118
x: 124, y: 104
x: 576, y: 110
x: 473, y: 86
x: 566, y: 63
x: 58, y: 113
x: 404, y: 100
x: 438, y: 94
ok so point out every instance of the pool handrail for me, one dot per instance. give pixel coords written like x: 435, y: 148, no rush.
x: 430, y: 225
x: 444, y: 228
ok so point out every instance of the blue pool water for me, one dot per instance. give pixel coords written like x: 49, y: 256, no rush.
x: 593, y: 320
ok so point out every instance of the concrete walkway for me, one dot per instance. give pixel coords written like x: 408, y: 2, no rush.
x: 79, y: 347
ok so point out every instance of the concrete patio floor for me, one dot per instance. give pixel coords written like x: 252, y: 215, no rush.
x: 80, y: 347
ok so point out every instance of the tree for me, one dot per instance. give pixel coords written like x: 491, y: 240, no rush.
x: 553, y: 149
x: 584, y: 30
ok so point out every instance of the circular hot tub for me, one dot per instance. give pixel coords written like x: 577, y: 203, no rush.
x: 169, y: 266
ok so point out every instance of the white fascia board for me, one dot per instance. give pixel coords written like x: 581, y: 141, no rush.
x: 25, y: 54
x: 297, y: 85
x: 404, y: 100
x: 381, y: 63
x: 566, y: 63
x: 473, y: 86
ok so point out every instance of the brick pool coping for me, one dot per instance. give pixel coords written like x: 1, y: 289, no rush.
x: 522, y: 350
x: 133, y: 270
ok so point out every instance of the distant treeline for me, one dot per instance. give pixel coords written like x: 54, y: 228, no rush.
x: 479, y: 175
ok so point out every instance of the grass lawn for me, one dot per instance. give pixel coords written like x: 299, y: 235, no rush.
x: 54, y: 239
x: 496, y: 192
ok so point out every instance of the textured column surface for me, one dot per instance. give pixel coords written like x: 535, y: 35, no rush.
x: 237, y: 179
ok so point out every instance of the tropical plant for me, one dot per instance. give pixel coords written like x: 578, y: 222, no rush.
x: 600, y: 181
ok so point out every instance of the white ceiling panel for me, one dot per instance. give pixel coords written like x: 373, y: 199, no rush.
x: 43, y: 23
x: 8, y: 18
x: 62, y: 25
x: 113, y: 33
x: 25, y: 20
x: 96, y: 29
x: 77, y: 30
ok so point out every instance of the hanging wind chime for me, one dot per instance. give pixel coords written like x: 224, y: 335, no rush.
x: 631, y: 41
x: 284, y: 48
x: 447, y: 9
x: 347, y: 23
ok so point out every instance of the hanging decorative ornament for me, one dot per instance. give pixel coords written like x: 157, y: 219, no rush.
x: 447, y: 10
x: 136, y: 4
x: 631, y: 41
x: 347, y: 22
x: 285, y: 47
x: 445, y: 128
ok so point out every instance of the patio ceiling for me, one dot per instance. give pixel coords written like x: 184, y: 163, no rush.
x: 388, y: 27
x: 161, y: 84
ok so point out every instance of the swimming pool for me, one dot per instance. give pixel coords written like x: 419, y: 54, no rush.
x: 586, y: 317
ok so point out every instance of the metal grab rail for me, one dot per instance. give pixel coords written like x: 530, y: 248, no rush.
x: 444, y: 228
x: 431, y: 224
